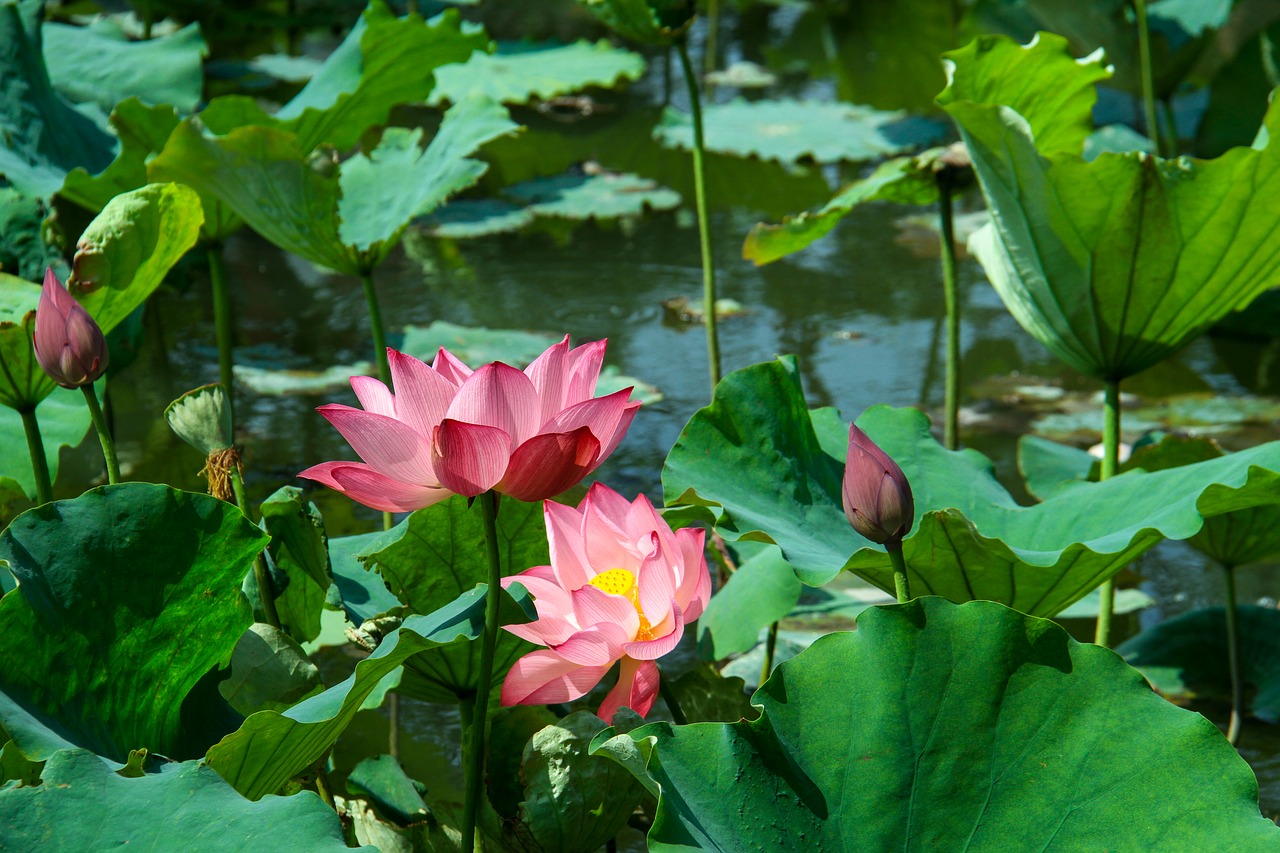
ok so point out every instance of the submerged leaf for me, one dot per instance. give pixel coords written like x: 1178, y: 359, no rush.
x: 936, y: 724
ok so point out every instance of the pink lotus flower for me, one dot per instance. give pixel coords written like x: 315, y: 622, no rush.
x: 69, y: 345
x: 621, y: 587
x: 448, y: 430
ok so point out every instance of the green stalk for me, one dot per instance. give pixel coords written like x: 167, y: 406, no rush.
x: 713, y: 27
x: 769, y: 646
x: 1233, y: 654
x: 474, y: 765
x: 677, y: 713
x: 266, y: 595
x: 35, y: 446
x: 222, y: 323
x: 900, y: 586
x: 1148, y: 87
x: 1110, y: 464
x: 104, y: 434
x: 379, y: 335
x: 704, y: 228
x: 950, y: 289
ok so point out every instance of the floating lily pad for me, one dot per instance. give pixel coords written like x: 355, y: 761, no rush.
x: 1185, y: 657
x: 276, y: 383
x: 519, y: 73
x: 791, y: 130
x: 593, y: 196
x: 475, y: 345
x: 742, y: 75
x: 1126, y: 601
x: 469, y: 218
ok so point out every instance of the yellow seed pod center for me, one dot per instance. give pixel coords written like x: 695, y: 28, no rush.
x: 622, y: 582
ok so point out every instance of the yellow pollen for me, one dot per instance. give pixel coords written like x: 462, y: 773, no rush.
x: 622, y: 582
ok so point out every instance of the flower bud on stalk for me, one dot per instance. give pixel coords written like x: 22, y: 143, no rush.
x: 69, y: 345
x: 877, y: 501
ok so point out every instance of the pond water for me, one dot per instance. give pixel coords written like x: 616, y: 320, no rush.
x: 862, y: 310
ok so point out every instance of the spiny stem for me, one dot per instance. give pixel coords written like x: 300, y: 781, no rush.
x: 35, y: 447
x: 1110, y: 465
x: 1233, y: 654
x: 704, y: 228
x: 950, y: 288
x: 379, y: 334
x: 900, y: 586
x: 769, y: 646
x: 474, y: 766
x: 104, y: 434
x: 223, y: 324
x: 266, y: 595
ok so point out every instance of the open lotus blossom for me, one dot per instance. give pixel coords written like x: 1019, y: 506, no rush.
x: 69, y: 345
x: 449, y: 430
x: 621, y: 587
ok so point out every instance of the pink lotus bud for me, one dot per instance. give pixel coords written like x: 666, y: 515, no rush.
x: 877, y: 496
x: 69, y: 345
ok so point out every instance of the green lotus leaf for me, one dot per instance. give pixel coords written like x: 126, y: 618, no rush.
x: 467, y: 218
x: 789, y: 130
x: 98, y: 64
x: 1049, y: 468
x: 82, y: 805
x: 384, y: 61
x: 270, y: 748
x: 45, y: 137
x: 1183, y: 657
x: 436, y: 554
x: 23, y: 250
x: 109, y: 652
x: 202, y: 418
x: 64, y: 421
x: 902, y: 180
x: 364, y: 596
x: 1113, y: 264
x: 571, y: 802
x: 383, y: 781
x: 278, y: 383
x: 937, y: 726
x: 23, y: 383
x: 268, y: 670
x: 299, y: 550
x: 594, y: 196
x: 520, y: 73
x: 658, y: 22
x: 475, y: 345
x: 130, y: 246
x: 142, y: 131
x: 761, y: 591
x: 971, y: 539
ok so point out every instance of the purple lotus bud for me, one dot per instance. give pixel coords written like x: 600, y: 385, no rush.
x: 69, y: 345
x: 877, y: 496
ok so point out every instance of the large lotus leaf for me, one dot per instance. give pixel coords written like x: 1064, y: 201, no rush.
x: 268, y: 670
x: 903, y: 180
x: 82, y: 805
x: 1049, y: 468
x: 384, y: 61
x: 937, y: 726
x: 572, y: 802
x: 22, y: 383
x: 517, y: 74
x: 1183, y: 657
x: 64, y: 421
x: 971, y: 539
x: 142, y: 131
x: 468, y: 218
x: 98, y: 64
x: 658, y: 22
x: 130, y: 246
x: 299, y: 549
x: 44, y: 137
x: 790, y: 130
x: 270, y: 748
x: 1116, y: 263
x: 595, y: 196
x: 127, y: 596
x: 364, y: 596
x: 398, y: 180
x: 23, y: 250
x: 475, y: 345
x: 761, y: 591
x: 436, y: 554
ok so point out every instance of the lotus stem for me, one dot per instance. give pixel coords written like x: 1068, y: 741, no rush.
x: 474, y: 764
x: 1148, y: 87
x: 393, y: 733
x: 704, y: 228
x: 35, y: 446
x: 266, y: 594
x: 1233, y: 653
x: 770, y: 644
x: 223, y: 324
x: 900, y: 586
x: 713, y: 28
x: 379, y: 334
x: 950, y: 289
x: 104, y: 434
x: 1110, y: 465
x: 673, y: 705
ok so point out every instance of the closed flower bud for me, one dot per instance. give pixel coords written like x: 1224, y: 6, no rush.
x: 69, y: 345
x: 877, y: 496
